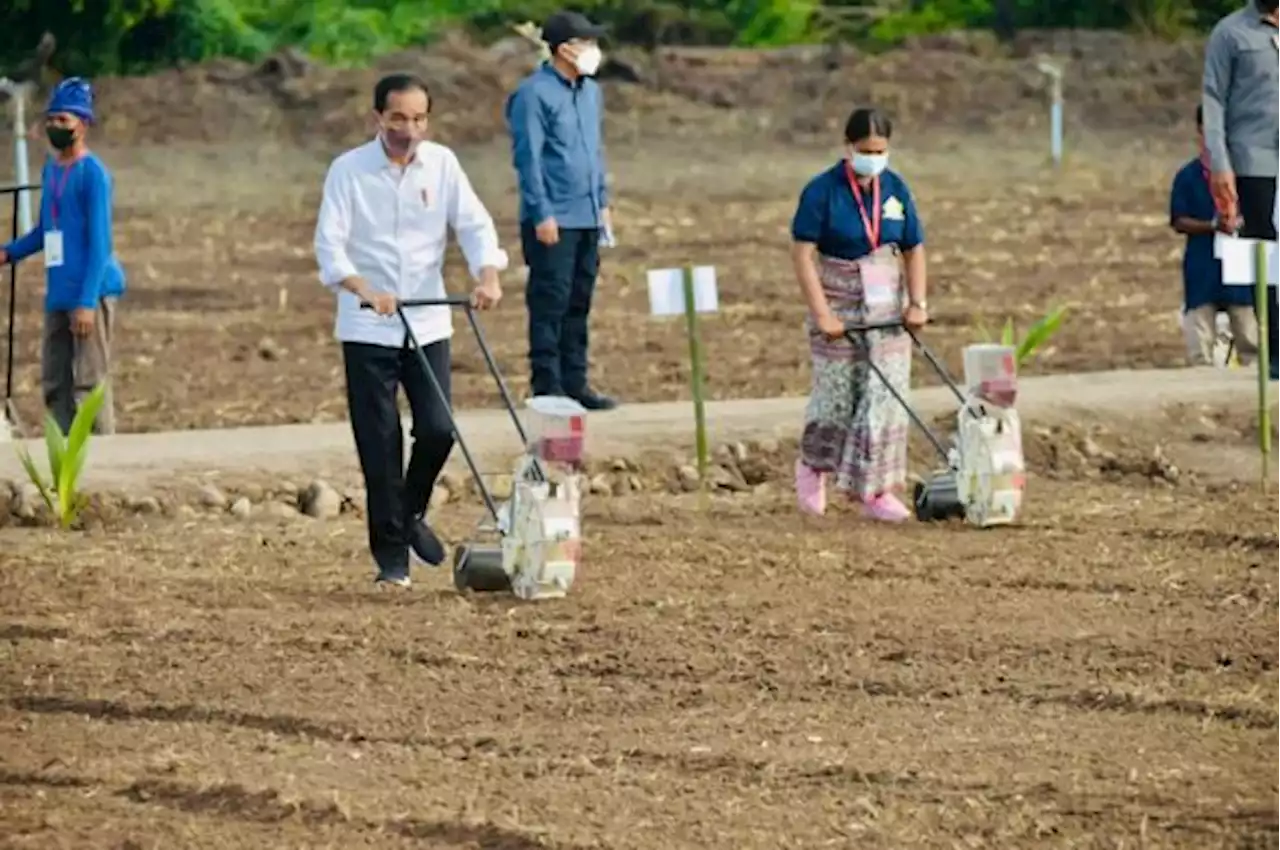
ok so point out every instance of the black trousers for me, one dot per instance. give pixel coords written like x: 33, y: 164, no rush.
x: 562, y: 279
x: 396, y: 496
x: 1257, y: 206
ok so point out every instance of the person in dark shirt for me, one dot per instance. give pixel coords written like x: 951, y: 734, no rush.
x: 855, y: 229
x: 1192, y: 212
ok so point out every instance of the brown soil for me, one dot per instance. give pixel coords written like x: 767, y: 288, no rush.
x: 723, y: 675
x: 225, y: 324
x: 218, y: 172
x: 963, y: 80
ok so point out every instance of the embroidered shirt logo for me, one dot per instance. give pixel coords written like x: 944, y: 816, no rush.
x: 893, y: 209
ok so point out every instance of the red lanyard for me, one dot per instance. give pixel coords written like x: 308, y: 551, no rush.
x: 59, y: 188
x: 872, y: 223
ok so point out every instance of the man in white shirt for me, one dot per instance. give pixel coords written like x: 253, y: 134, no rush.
x: 380, y: 239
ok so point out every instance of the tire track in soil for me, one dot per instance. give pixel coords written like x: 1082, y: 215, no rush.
x: 603, y: 656
x: 1251, y: 827
x: 268, y: 806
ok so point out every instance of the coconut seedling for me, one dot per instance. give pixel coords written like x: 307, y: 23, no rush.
x: 67, y: 456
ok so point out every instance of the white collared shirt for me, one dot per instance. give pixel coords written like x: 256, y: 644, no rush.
x: 389, y: 225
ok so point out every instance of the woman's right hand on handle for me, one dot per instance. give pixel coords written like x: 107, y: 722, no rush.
x: 830, y: 326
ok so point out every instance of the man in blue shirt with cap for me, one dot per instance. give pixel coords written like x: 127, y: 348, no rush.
x: 556, y: 121
x: 1192, y: 213
x: 83, y: 277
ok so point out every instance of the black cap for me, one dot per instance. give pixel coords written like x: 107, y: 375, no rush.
x: 566, y: 26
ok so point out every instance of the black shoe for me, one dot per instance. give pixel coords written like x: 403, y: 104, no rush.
x: 424, y: 544
x: 394, y: 577
x: 393, y: 568
x: 592, y: 400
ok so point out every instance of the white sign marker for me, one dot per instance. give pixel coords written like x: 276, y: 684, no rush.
x: 666, y: 291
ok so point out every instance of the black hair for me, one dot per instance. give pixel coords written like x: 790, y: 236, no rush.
x: 1200, y: 116
x: 866, y: 122
x: 394, y: 84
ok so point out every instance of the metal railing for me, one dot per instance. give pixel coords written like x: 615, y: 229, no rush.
x: 14, y: 193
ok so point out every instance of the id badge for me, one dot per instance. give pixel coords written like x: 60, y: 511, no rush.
x: 880, y: 290
x: 53, y: 256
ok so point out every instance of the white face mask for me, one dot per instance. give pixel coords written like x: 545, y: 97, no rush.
x: 588, y: 60
x: 869, y: 164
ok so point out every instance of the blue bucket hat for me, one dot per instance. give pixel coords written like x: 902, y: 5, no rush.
x: 73, y: 96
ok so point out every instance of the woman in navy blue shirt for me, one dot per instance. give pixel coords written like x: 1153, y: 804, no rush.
x: 858, y: 252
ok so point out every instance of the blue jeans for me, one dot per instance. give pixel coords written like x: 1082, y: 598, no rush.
x: 562, y: 279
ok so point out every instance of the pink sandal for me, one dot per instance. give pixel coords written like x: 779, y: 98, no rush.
x: 885, y: 507
x: 811, y: 489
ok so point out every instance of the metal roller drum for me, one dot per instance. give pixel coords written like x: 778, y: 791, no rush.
x: 479, y: 568
x: 938, y: 499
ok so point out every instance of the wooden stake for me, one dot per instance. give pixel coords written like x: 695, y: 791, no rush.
x: 1264, y: 359
x: 696, y: 375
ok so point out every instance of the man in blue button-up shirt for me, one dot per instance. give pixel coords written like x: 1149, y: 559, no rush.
x: 556, y: 122
x: 1242, y: 128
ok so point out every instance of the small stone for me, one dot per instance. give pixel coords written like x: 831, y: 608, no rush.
x: 601, y: 485
x: 212, y: 497
x: 287, y: 488
x: 764, y: 490
x: 27, y: 501
x: 241, y: 508
x: 280, y: 510
x: 146, y: 505
x: 253, y: 492
x: 636, y: 483
x: 186, y: 512
x: 739, y: 451
x: 269, y: 350
x: 689, y: 480
x: 769, y: 446
x: 320, y: 501
x: 621, y: 485
x: 1091, y: 449
x: 620, y: 464
x: 725, y: 478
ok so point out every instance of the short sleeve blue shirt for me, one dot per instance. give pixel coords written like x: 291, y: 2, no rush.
x: 828, y: 215
x: 1201, y: 271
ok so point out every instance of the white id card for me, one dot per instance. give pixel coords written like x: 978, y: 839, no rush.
x: 53, y: 249
x: 881, y: 290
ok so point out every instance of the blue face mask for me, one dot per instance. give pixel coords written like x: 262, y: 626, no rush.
x: 869, y: 164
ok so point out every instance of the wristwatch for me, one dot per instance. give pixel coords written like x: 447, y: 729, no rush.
x: 923, y: 305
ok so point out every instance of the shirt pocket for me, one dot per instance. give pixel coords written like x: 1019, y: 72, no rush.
x: 892, y: 230
x: 562, y: 127
x: 425, y: 217
x: 1258, y: 61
